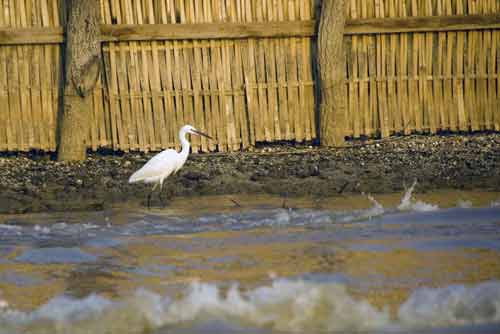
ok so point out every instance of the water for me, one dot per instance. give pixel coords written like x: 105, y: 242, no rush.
x: 384, y: 264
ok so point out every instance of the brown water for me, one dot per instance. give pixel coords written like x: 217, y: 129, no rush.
x: 389, y: 263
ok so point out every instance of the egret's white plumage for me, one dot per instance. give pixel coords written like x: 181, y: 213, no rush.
x: 167, y: 162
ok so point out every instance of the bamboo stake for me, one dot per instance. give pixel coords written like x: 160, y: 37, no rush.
x: 13, y: 80
x: 4, y: 97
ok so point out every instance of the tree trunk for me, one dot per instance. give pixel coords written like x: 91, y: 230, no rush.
x: 332, y: 72
x: 82, y: 68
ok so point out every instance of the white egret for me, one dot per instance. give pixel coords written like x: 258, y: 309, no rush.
x: 165, y: 163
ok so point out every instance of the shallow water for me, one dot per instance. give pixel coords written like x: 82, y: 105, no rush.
x: 257, y: 264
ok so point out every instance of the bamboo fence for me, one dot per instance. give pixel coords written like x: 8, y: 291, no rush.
x: 248, y: 90
x: 29, y: 79
x: 422, y: 82
x: 239, y: 90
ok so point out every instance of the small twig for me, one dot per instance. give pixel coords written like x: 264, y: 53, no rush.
x: 235, y: 202
x: 343, y: 188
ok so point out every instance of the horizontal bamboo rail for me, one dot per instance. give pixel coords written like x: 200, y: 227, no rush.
x: 156, y: 32
x: 422, y: 24
x: 35, y: 35
x: 284, y: 29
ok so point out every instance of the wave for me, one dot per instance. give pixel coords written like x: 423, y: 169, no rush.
x: 283, y: 306
x: 408, y: 203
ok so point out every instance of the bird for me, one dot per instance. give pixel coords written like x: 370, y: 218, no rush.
x: 165, y: 163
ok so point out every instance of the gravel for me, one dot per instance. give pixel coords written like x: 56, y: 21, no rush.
x: 34, y: 182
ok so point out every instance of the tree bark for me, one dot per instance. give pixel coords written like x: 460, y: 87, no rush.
x: 332, y: 72
x: 82, y: 69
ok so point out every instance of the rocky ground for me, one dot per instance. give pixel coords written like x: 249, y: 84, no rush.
x: 34, y: 182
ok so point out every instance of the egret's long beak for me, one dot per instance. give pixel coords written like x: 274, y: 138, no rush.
x: 201, y: 134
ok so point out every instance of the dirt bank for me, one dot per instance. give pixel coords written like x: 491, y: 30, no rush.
x: 33, y: 183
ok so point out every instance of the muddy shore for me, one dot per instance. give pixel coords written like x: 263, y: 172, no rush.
x: 35, y: 183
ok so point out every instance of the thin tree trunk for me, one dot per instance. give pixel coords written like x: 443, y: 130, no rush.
x: 332, y: 72
x: 83, y: 59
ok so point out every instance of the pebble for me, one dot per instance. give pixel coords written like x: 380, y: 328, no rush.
x: 32, y: 183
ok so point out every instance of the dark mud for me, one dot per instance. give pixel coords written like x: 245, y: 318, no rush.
x: 34, y: 183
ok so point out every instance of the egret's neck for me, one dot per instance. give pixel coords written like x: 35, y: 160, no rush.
x: 185, y: 144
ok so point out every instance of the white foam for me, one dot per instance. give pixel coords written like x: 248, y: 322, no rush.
x: 10, y: 227
x: 42, y: 229
x: 374, y: 211
x: 66, y: 309
x: 408, y: 203
x: 282, y: 218
x: 285, y: 305
x: 464, y: 204
x: 452, y: 306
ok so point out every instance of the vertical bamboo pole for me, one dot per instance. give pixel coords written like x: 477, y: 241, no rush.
x: 392, y: 103
x: 460, y: 74
x: 4, y: 98
x: 33, y: 13
x: 441, y: 116
x: 263, y: 131
x: 490, y: 72
x: 250, y: 78
x: 54, y: 66
x: 130, y: 74
x: 101, y: 94
x: 285, y: 129
x: 449, y: 100
x: 210, y: 125
x: 484, y: 39
x: 369, y: 88
x: 428, y: 98
x: 160, y: 130
x: 383, y: 110
x: 292, y: 78
x: 403, y: 79
x: 167, y: 76
x: 126, y: 140
x: 225, y: 83
x: 144, y: 63
x: 196, y: 76
x: 354, y: 92
x: 23, y: 52
x: 14, y: 76
x: 414, y: 99
x: 306, y: 76
x: 239, y: 100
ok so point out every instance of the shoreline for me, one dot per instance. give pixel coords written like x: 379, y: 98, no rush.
x: 35, y: 183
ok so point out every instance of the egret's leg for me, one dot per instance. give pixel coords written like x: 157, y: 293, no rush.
x: 162, y: 201
x: 150, y: 194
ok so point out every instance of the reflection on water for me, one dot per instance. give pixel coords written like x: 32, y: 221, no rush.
x: 362, y: 263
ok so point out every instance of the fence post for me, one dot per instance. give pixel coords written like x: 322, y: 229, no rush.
x: 82, y: 69
x: 332, y: 72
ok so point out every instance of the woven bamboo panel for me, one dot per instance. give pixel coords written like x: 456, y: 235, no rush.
x: 244, y: 91
x: 29, y: 79
x: 239, y: 91
x: 422, y: 82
